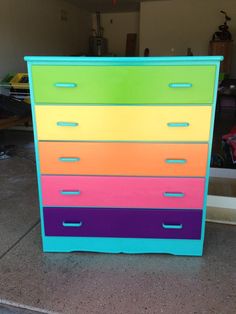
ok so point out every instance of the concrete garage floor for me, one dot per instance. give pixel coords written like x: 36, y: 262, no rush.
x: 34, y: 282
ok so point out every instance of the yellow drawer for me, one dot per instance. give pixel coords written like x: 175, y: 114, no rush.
x: 123, y: 84
x: 123, y: 123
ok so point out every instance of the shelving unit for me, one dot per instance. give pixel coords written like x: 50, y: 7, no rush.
x: 16, y: 87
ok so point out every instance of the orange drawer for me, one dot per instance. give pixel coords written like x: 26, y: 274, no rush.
x: 126, y: 159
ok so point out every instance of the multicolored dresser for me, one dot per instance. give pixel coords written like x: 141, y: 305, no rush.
x: 123, y: 149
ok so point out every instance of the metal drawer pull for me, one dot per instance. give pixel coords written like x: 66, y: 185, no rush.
x: 166, y: 226
x: 69, y: 159
x: 176, y: 161
x: 178, y: 124
x: 173, y: 194
x: 65, y: 192
x: 72, y: 224
x: 62, y: 123
x: 180, y: 85
x: 66, y: 85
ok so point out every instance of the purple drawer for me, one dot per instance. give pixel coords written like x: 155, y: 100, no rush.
x: 122, y: 223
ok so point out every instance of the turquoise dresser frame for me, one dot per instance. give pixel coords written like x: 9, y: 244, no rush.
x: 123, y: 245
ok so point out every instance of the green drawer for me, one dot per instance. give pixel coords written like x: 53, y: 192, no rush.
x: 123, y: 84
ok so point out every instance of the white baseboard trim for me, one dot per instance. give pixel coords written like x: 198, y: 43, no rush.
x: 221, y: 209
x: 223, y: 173
x: 221, y: 201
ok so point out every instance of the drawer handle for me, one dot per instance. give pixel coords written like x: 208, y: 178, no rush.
x: 62, y: 123
x: 66, y: 85
x: 72, y: 224
x: 174, y: 226
x: 69, y: 159
x: 173, y: 194
x: 65, y: 192
x: 178, y: 124
x: 180, y: 85
x: 176, y: 161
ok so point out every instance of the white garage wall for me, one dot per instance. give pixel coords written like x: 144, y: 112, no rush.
x: 180, y: 24
x: 34, y: 27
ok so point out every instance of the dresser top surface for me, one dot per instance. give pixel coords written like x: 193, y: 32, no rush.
x: 123, y: 60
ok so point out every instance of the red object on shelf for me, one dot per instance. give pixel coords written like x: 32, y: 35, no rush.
x: 229, y: 135
x: 114, y: 2
x: 233, y: 150
x: 230, y: 139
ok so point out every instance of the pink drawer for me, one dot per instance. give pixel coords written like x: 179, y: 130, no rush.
x: 127, y: 192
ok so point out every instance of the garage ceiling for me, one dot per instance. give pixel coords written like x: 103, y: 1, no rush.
x: 107, y: 6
